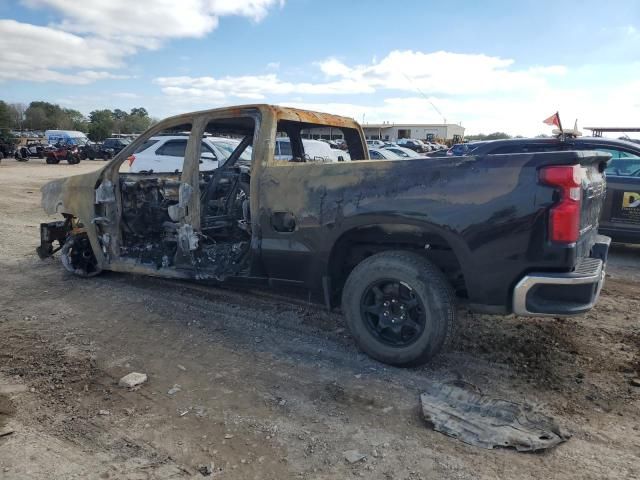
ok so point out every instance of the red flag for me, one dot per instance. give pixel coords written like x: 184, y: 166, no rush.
x: 554, y: 120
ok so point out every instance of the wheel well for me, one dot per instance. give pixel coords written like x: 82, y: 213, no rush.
x: 357, y: 244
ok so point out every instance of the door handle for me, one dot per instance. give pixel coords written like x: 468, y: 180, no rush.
x: 283, y: 221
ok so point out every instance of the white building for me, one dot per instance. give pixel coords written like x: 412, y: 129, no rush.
x: 421, y: 131
x: 394, y: 131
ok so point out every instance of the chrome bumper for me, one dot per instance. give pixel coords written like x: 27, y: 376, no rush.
x: 559, y: 294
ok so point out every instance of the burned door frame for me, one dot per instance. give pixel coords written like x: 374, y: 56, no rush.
x: 294, y: 194
x: 113, y: 213
x: 262, y: 146
x: 190, y: 175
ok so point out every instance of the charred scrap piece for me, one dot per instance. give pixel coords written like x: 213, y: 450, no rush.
x: 487, y: 422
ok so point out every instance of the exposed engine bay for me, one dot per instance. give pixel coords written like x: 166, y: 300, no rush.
x: 153, y: 233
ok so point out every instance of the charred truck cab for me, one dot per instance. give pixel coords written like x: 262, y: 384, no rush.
x: 394, y: 243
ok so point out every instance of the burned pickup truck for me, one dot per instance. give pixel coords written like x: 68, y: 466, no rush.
x: 396, y: 243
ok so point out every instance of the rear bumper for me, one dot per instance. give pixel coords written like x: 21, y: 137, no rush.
x: 556, y: 294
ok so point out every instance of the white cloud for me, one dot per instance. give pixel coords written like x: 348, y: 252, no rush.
x: 485, y: 93
x: 442, y: 72
x: 25, y: 57
x: 126, y: 95
x: 407, y: 71
x: 98, y: 34
x: 254, y: 86
x: 138, y: 21
x: 521, y: 115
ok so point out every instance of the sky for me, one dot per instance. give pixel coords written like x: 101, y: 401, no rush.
x: 489, y: 66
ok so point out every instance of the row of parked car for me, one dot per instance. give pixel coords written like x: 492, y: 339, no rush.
x: 71, y: 151
x: 416, y: 145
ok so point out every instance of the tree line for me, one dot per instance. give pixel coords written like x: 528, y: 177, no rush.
x: 490, y: 136
x: 98, y: 125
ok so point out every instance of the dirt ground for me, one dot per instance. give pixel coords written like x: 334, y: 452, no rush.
x: 269, y: 387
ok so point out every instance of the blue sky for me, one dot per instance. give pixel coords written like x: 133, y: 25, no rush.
x: 488, y: 65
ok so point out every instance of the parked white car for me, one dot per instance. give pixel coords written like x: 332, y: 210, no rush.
x: 315, y: 150
x: 165, y: 153
x: 383, y: 154
x: 403, y: 152
x: 375, y: 143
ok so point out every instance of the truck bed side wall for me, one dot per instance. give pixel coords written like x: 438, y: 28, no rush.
x: 490, y: 210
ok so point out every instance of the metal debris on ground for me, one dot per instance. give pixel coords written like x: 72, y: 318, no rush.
x: 488, y: 422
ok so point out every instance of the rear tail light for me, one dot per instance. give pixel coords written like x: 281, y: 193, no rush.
x: 564, y: 216
x: 131, y: 159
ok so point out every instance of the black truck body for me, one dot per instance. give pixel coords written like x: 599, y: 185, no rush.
x: 393, y: 242
x: 620, y: 218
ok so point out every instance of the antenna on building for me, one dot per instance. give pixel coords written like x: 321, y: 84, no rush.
x: 425, y: 97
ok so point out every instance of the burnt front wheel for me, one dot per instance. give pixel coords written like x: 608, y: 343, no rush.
x: 77, y: 256
x: 399, y: 307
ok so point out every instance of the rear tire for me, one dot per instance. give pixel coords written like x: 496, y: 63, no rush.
x: 399, y: 307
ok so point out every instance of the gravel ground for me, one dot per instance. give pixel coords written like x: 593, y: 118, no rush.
x: 252, y: 384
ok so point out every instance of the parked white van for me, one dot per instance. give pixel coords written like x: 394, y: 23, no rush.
x: 71, y: 137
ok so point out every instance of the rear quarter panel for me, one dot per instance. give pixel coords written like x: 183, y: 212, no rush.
x: 490, y: 210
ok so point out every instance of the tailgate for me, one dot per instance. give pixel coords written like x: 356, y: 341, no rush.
x: 594, y: 189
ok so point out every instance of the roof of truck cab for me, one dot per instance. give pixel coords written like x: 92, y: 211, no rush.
x: 282, y: 113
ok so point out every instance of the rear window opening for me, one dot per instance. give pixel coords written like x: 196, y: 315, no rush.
x: 305, y: 142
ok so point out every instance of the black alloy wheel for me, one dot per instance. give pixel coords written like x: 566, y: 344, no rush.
x: 400, y: 308
x: 393, y: 312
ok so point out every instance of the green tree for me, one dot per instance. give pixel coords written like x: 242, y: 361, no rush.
x: 135, y: 124
x: 6, y: 119
x: 76, y: 119
x: 43, y: 115
x: 491, y: 136
x: 140, y: 111
x: 36, y: 118
x: 17, y: 111
x: 101, y: 124
x: 119, y: 114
